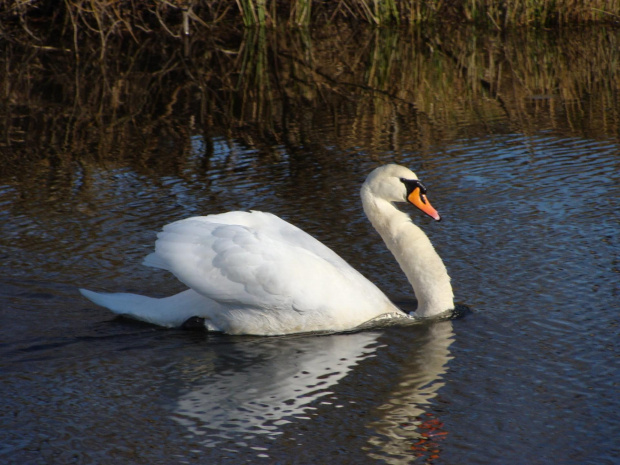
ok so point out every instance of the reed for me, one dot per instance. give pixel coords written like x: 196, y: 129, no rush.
x: 42, y: 20
x: 301, y: 12
x: 253, y: 12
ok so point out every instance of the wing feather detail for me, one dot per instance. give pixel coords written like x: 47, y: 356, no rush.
x: 253, y: 260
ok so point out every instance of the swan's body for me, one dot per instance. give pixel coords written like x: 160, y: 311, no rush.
x: 254, y: 273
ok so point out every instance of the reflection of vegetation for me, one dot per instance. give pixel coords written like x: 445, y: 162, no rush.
x: 270, y: 88
x: 253, y: 91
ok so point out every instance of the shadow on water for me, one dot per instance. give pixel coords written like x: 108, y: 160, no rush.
x: 516, y: 136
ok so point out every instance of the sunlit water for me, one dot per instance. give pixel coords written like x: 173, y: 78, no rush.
x: 529, y: 237
x: 530, y: 376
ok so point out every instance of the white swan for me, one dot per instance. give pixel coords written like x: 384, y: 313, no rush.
x: 254, y: 273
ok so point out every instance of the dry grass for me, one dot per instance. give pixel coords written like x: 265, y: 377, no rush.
x: 41, y: 20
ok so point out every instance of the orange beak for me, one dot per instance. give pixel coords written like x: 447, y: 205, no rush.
x: 418, y: 199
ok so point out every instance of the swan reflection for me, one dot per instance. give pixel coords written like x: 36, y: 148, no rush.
x: 268, y: 383
x: 405, y: 429
x: 241, y: 390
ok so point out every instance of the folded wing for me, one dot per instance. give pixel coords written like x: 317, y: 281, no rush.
x: 255, y: 260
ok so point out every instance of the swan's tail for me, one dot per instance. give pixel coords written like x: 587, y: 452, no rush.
x: 170, y: 312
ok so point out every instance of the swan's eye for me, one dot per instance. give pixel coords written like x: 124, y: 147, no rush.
x: 412, y: 184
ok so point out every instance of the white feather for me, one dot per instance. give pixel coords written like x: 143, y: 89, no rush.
x: 254, y: 273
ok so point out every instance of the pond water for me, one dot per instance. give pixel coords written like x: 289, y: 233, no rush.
x: 528, y: 187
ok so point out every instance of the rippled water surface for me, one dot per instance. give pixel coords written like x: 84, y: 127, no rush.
x: 529, y: 376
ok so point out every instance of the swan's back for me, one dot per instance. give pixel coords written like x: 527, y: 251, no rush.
x: 278, y: 230
x: 262, y: 271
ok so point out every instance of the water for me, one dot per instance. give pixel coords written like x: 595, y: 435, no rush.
x: 529, y: 236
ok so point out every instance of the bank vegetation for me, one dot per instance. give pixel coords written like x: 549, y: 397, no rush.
x: 43, y: 20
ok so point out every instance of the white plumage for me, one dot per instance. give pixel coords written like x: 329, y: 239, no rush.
x: 254, y: 273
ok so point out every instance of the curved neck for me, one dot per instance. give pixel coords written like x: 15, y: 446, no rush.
x: 414, y: 253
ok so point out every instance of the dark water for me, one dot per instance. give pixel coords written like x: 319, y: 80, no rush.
x: 529, y: 236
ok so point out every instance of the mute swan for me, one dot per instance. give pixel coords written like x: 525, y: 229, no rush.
x: 254, y: 273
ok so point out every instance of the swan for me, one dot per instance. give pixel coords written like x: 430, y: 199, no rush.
x: 254, y: 273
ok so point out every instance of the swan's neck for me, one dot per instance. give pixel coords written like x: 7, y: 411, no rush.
x: 415, y: 255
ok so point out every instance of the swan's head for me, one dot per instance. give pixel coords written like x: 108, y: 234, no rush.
x: 396, y: 183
